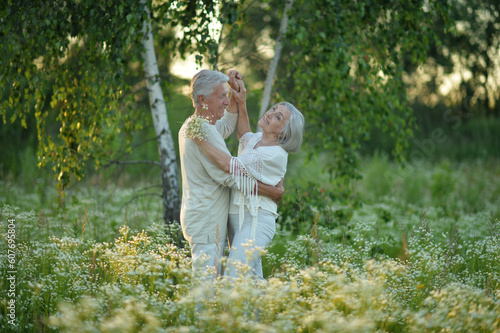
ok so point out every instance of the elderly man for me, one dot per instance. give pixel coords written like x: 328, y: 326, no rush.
x: 206, y: 188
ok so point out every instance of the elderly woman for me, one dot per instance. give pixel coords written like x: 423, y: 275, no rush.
x: 261, y: 157
x: 205, y: 191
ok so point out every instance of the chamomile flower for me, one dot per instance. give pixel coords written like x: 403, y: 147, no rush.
x: 195, y: 129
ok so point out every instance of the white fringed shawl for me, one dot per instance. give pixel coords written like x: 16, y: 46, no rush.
x: 248, y: 186
x: 265, y: 164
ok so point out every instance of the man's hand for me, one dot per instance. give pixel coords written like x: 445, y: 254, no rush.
x: 280, y: 191
x: 275, y: 193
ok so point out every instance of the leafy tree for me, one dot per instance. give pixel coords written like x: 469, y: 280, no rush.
x: 344, y: 70
x: 473, y: 51
x: 249, y: 47
x: 71, y: 57
x: 342, y: 65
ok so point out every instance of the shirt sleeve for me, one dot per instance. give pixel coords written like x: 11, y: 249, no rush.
x: 244, y: 141
x: 267, y: 165
x: 227, y: 124
x: 214, y: 172
x: 274, y: 166
x: 217, y: 174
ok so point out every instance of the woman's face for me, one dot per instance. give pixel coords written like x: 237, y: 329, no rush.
x: 274, y: 120
x: 218, y: 101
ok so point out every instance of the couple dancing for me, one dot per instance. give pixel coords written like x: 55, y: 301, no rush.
x: 235, y: 197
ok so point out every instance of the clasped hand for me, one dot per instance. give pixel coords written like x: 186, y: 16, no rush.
x: 237, y: 86
x: 234, y: 75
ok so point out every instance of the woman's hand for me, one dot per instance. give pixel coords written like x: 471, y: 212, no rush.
x: 241, y: 95
x: 234, y: 75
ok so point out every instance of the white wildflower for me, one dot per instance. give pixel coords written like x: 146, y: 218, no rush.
x: 195, y: 128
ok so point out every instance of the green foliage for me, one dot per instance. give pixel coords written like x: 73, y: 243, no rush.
x: 305, y: 207
x: 443, y: 132
x: 452, y: 187
x: 452, y: 194
x: 248, y: 50
x: 471, y: 50
x: 62, y: 63
x: 344, y: 71
x: 195, y: 17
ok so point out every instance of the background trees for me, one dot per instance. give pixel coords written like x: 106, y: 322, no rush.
x: 73, y: 71
x: 456, y: 88
x: 472, y: 53
x: 343, y: 66
x: 73, y: 59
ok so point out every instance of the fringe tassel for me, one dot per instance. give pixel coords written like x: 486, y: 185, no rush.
x: 248, y: 186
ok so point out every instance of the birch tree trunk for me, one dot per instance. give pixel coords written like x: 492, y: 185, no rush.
x: 168, y: 160
x: 264, y: 104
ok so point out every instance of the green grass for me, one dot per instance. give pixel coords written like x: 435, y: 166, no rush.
x: 412, y: 251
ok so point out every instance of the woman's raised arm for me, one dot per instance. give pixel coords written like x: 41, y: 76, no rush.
x: 241, y: 99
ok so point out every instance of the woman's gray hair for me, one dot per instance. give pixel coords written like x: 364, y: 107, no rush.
x: 291, y: 136
x: 204, y: 83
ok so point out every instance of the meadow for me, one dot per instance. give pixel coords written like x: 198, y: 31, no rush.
x: 414, y: 250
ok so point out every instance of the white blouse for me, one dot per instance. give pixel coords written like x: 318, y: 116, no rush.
x: 266, y: 164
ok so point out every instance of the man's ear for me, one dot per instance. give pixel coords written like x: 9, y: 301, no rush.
x: 201, y: 99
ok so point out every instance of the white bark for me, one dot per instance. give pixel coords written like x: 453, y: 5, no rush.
x: 168, y: 160
x: 264, y: 104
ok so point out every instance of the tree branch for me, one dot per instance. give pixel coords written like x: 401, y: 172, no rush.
x: 148, y: 187
x: 140, y: 195
x: 131, y: 162
x: 274, y: 63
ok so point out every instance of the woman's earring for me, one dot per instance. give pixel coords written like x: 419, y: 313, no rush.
x: 205, y: 107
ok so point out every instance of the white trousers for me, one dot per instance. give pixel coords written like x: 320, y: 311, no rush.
x: 206, y: 259
x: 245, y: 253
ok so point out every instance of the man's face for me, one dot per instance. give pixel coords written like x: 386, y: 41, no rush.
x: 218, y: 101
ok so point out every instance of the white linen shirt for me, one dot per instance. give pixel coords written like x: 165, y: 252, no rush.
x: 205, y: 191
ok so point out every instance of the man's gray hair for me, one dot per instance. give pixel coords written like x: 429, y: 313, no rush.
x: 291, y: 136
x: 204, y: 83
